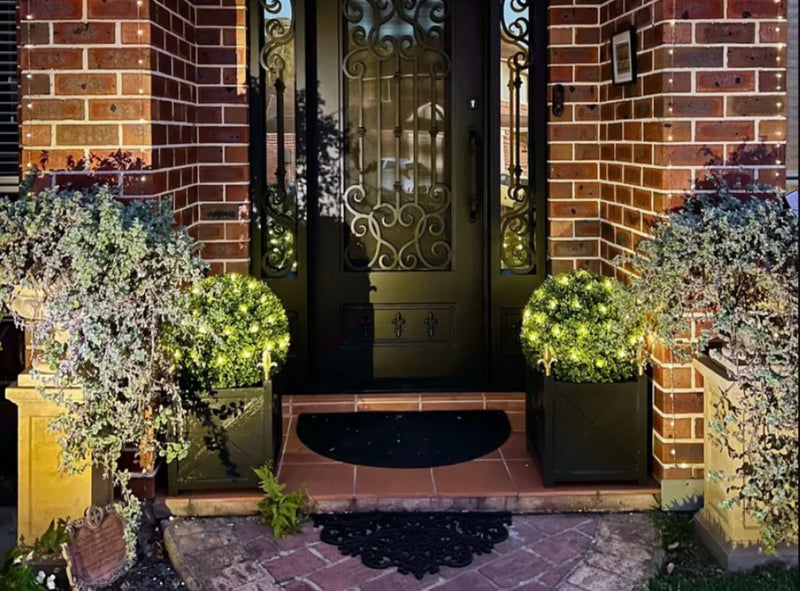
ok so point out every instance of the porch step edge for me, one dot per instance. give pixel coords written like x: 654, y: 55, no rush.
x: 601, y: 502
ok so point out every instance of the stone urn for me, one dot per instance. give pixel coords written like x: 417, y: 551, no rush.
x: 28, y: 303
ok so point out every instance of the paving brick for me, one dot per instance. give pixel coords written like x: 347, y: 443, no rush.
x: 296, y: 564
x: 510, y: 570
x: 595, y: 579
x: 470, y: 581
x: 558, y: 573
x: 394, y: 581
x: 341, y: 576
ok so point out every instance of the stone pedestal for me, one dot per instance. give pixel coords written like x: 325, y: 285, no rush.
x: 44, y: 493
x: 731, y: 535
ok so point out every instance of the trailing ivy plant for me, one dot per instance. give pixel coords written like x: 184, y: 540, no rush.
x: 282, y: 511
x: 726, y: 262
x: 585, y: 326
x: 116, y: 276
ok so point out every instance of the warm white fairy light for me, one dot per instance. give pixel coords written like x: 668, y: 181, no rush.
x: 671, y: 110
x: 27, y: 118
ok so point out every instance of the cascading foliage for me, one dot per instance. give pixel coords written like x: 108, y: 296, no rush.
x: 116, y: 277
x: 726, y: 264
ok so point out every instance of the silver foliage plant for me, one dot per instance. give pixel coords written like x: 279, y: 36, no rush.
x: 727, y: 263
x: 116, y: 276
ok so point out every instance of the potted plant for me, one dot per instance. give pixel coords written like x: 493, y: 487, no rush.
x: 724, y: 268
x: 114, y: 277
x: 587, y: 396
x: 236, y: 338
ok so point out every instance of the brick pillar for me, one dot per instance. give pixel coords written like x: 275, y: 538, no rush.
x: 223, y: 135
x: 573, y: 164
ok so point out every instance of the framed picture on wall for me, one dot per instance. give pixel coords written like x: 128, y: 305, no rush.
x: 623, y: 57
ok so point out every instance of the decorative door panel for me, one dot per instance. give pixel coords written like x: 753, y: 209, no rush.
x: 398, y: 295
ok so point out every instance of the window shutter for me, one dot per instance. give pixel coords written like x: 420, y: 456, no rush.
x: 792, y: 131
x: 9, y: 97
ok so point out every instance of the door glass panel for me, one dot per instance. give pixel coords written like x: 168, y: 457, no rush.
x: 396, y: 200
x: 279, y: 193
x: 516, y: 204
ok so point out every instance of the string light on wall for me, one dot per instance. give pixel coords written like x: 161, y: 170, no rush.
x: 779, y: 77
x: 28, y: 115
x: 140, y: 77
x: 673, y: 421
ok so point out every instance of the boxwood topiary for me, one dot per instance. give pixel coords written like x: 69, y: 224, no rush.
x: 587, y: 325
x: 234, y: 319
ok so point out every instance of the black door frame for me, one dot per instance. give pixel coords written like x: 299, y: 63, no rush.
x: 504, y: 294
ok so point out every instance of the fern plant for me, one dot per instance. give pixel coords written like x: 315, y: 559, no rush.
x: 283, y: 512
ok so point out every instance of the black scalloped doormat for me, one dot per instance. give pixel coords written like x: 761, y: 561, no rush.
x: 404, y: 439
x: 416, y: 543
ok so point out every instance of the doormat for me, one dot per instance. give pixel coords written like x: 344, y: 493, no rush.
x: 415, y: 543
x: 404, y: 439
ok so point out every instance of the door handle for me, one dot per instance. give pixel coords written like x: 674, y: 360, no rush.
x: 474, y: 193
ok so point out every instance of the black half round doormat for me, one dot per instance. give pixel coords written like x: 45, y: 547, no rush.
x: 414, y: 542
x: 404, y: 439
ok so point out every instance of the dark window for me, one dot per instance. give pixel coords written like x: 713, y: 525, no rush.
x: 9, y: 94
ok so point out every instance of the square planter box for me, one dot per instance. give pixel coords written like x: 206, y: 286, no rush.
x: 244, y: 435
x: 588, y: 432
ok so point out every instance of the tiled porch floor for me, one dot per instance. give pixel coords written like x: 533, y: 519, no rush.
x: 505, y: 479
x: 504, y: 474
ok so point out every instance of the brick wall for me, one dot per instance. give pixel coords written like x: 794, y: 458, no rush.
x: 163, y: 81
x: 83, y: 64
x: 223, y: 135
x: 573, y: 167
x: 173, y: 85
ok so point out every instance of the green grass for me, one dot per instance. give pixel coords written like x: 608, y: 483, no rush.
x: 696, y: 570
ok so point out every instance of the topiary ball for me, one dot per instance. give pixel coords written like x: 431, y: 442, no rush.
x: 235, y: 319
x: 588, y: 323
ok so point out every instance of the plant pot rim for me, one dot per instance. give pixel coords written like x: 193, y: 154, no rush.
x: 635, y: 378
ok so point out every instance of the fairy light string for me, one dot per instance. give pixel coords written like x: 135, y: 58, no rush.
x: 142, y: 48
x: 28, y: 114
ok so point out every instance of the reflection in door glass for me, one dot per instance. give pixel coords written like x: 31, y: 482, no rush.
x: 278, y: 197
x: 516, y: 211
x: 396, y: 200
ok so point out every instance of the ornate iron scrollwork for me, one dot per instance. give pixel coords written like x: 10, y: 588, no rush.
x: 516, y: 218
x: 278, y: 201
x: 397, y: 199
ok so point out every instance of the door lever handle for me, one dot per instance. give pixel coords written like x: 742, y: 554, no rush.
x: 474, y: 153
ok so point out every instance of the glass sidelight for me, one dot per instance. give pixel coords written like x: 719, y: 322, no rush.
x: 517, y: 254
x: 278, y: 191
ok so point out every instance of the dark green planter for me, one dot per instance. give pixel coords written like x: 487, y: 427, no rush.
x: 245, y: 436
x: 588, y: 432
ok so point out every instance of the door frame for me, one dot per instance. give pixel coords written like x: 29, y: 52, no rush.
x: 504, y: 294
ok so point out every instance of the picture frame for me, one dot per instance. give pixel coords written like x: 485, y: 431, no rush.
x: 623, y: 57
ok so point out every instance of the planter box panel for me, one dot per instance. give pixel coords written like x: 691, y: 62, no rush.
x: 242, y: 433
x: 589, y: 432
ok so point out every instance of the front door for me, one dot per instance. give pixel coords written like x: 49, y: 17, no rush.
x: 397, y: 286
x: 416, y: 219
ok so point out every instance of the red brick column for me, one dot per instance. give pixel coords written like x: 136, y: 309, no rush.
x: 573, y: 166
x: 223, y: 135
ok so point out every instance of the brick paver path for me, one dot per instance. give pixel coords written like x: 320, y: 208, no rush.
x: 562, y: 552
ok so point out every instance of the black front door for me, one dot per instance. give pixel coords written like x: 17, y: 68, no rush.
x: 397, y: 289
x: 403, y: 226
